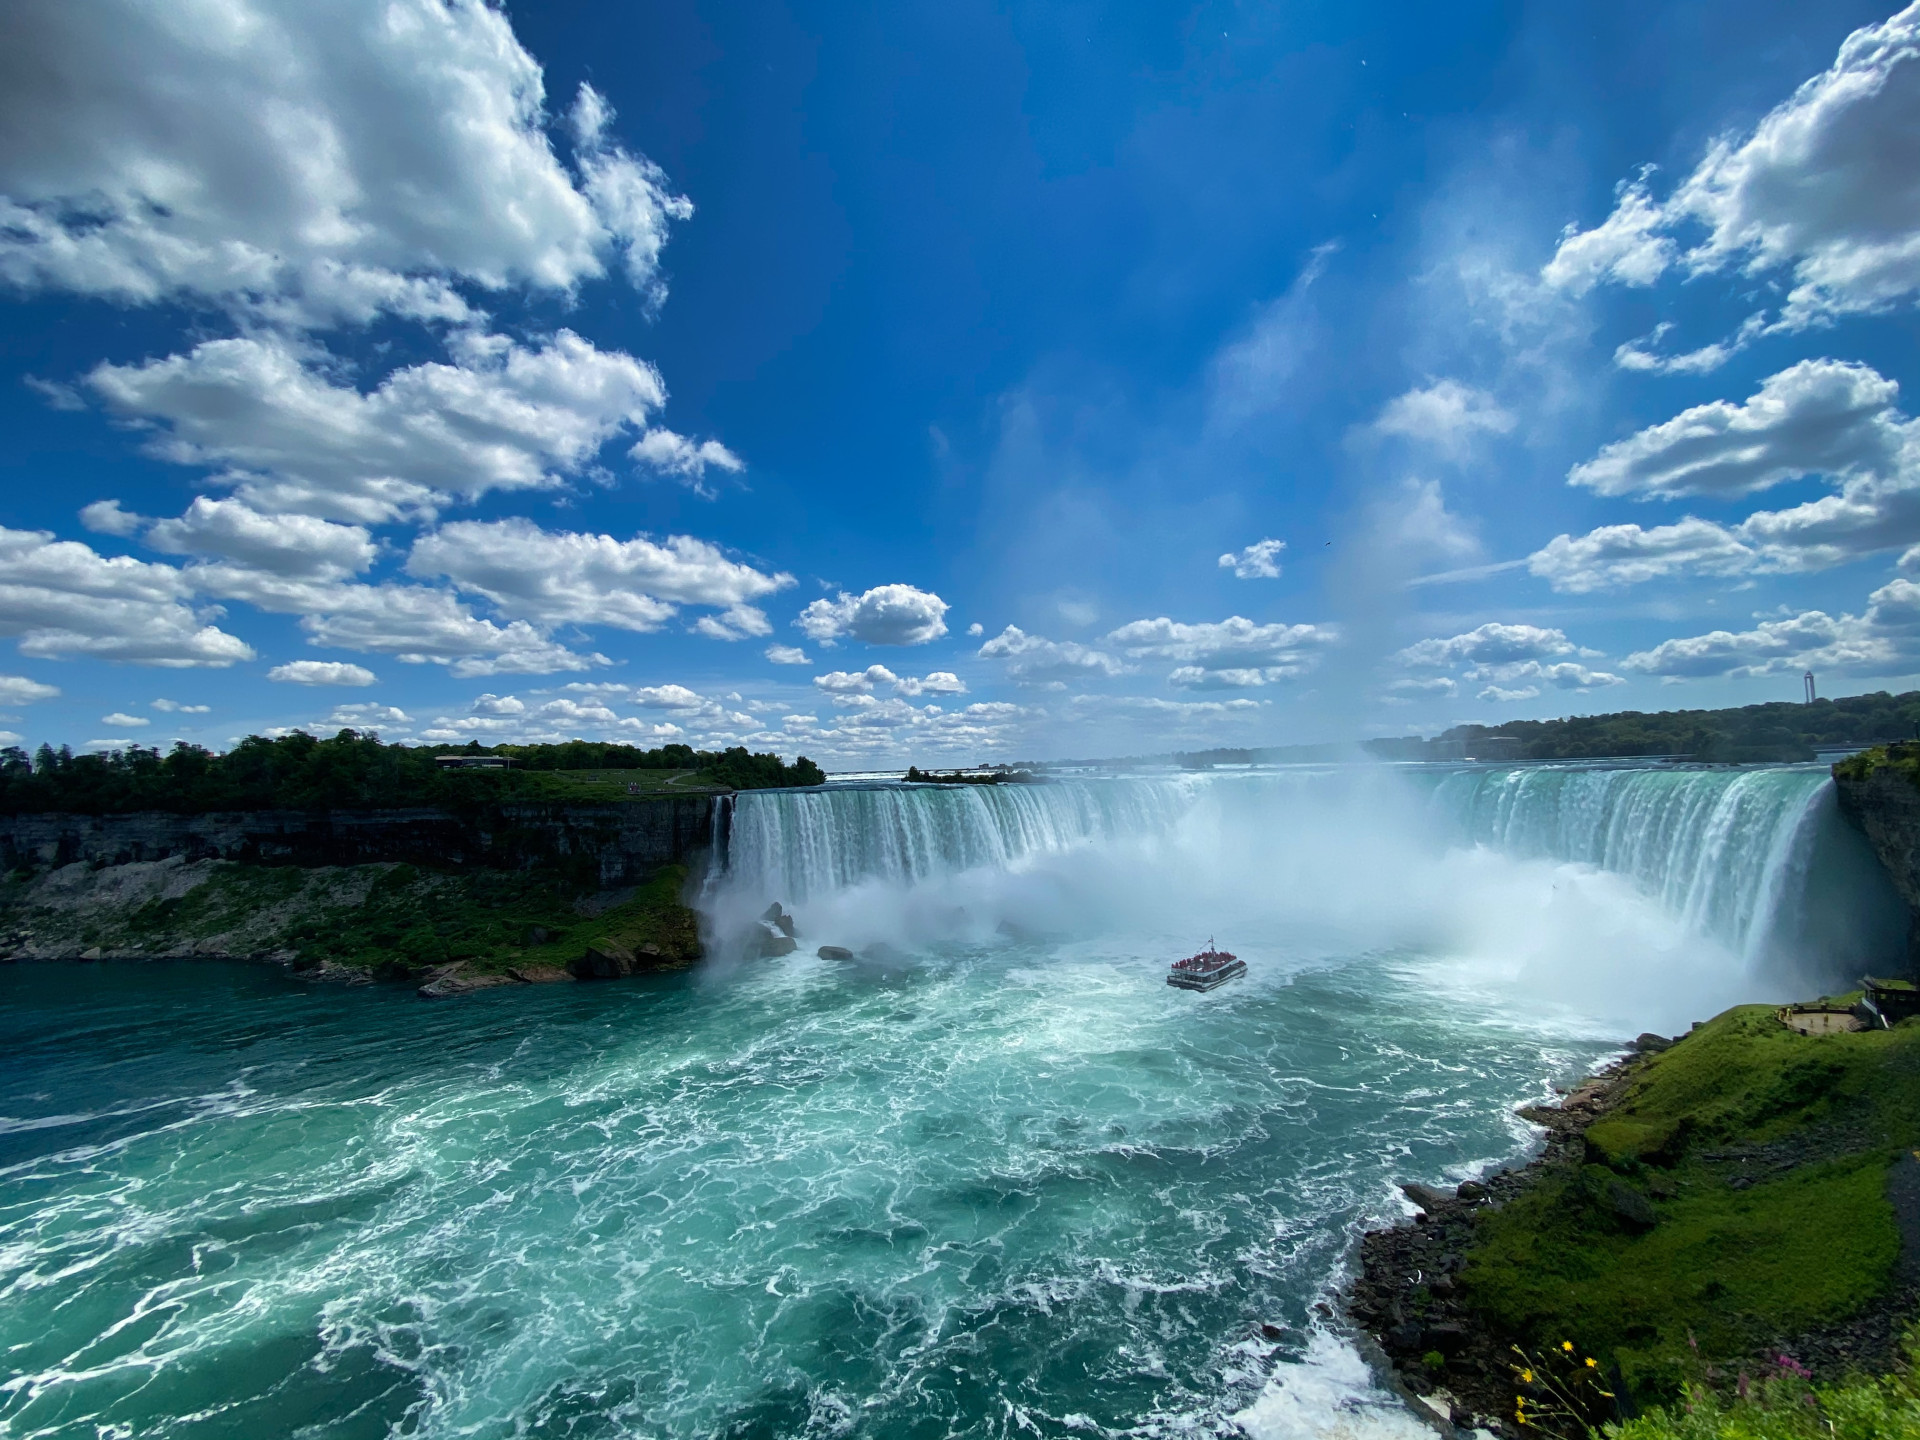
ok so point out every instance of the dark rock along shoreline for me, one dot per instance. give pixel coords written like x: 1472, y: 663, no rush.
x: 1406, y: 1302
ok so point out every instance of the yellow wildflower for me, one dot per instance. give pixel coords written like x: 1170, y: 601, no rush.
x: 1592, y: 1364
x: 1566, y: 1345
x: 1526, y: 1377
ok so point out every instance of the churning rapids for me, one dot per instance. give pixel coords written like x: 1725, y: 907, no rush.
x: 991, y: 1177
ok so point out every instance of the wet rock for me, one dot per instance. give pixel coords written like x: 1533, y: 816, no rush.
x: 604, y: 961
x: 1427, y: 1197
x: 538, y: 974
x: 1471, y: 1191
x: 1446, y: 1337
x: 1631, y: 1206
x: 446, y: 981
x: 1405, y: 1337
x: 777, y: 945
x: 1272, y: 1331
x: 780, y: 920
x: 834, y: 952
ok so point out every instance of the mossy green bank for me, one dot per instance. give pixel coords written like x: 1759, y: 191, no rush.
x: 1735, y: 1198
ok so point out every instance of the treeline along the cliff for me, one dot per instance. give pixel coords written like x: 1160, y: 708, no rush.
x: 1751, y: 733
x: 350, y: 771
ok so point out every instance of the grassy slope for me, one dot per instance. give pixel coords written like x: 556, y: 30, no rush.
x: 1810, y: 1123
x: 368, y: 915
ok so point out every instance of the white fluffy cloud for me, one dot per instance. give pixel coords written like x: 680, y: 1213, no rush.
x: 417, y: 626
x: 1883, y: 641
x: 1513, y: 661
x: 19, y: 690
x: 1034, y: 660
x: 562, y: 577
x: 505, y: 416
x: 865, y: 682
x: 176, y: 707
x: 321, y: 672
x: 290, y: 546
x: 1259, y: 561
x: 787, y: 655
x: 1824, y: 187
x: 1446, y: 415
x: 308, y: 163
x: 1491, y: 644
x: 1233, y: 653
x: 1821, y: 417
x: 685, y: 459
x: 884, y: 615
x: 59, y: 597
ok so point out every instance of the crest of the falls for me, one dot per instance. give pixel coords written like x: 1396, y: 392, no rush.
x: 1757, y: 859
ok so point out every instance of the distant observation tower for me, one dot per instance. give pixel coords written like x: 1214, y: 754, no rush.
x: 1812, y: 695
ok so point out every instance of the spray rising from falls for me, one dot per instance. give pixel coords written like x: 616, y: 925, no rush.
x: 1756, y: 861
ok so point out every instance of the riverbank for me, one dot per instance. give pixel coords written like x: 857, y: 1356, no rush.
x: 1698, y: 1209
x: 445, y: 933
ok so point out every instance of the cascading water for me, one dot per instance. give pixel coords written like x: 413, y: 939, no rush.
x: 991, y: 1177
x: 803, y: 843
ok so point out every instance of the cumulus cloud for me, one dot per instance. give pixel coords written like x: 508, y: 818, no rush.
x: 123, y: 721
x: 1508, y: 656
x: 563, y: 577
x: 1820, y: 417
x: 1883, y: 641
x: 309, y: 164
x: 505, y: 416
x: 1446, y: 415
x: 787, y: 655
x: 59, y: 597
x: 684, y: 459
x: 1259, y: 561
x: 884, y: 615
x: 175, y: 707
x: 362, y: 717
x: 321, y: 672
x: 1824, y: 187
x: 1491, y: 644
x: 1034, y: 660
x: 19, y: 690
x: 105, y: 517
x: 291, y: 546
x: 417, y: 626
x: 1234, y: 653
x: 1629, y: 554
x: 840, y: 683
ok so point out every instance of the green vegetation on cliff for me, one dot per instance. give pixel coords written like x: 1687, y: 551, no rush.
x: 373, y: 918
x: 1785, y: 1405
x: 1750, y: 733
x: 1737, y: 1198
x: 353, y: 771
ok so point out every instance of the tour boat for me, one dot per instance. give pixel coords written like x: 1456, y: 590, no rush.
x: 1209, y: 968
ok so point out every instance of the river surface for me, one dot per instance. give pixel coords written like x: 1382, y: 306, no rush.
x: 992, y: 1178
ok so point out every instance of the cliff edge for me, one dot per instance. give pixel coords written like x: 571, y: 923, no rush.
x: 1879, y: 792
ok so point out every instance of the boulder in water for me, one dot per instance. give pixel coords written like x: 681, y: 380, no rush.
x: 1427, y: 1197
x: 780, y: 920
x: 834, y: 952
x: 603, y: 961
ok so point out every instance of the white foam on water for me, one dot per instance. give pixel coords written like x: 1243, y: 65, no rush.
x: 1328, y: 1394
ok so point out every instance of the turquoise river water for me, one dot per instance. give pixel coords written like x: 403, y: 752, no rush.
x: 991, y: 1178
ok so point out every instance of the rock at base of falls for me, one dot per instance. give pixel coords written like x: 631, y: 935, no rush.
x: 834, y: 952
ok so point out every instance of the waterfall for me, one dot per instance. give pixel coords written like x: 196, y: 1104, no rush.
x: 1757, y: 859
x: 801, y: 843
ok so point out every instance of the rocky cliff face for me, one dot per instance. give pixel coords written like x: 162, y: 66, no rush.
x: 1879, y: 794
x: 626, y: 841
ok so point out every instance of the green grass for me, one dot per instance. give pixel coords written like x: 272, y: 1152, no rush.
x: 1811, y: 1240
x: 377, y: 915
x: 1783, y: 1406
x: 587, y: 786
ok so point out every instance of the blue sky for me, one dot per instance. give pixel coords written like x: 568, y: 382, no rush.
x: 950, y: 382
